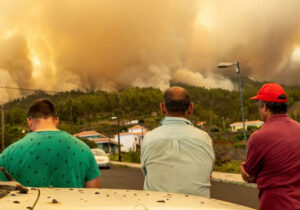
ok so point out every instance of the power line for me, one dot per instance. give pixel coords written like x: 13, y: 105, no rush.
x: 26, y: 89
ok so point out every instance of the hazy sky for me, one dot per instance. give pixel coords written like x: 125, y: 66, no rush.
x: 104, y: 44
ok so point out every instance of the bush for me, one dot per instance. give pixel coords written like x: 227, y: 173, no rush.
x: 229, y: 167
x: 214, y: 130
x: 240, y: 136
x: 219, y: 137
x: 240, y: 144
x: 131, y: 157
x: 252, y: 128
x: 90, y: 143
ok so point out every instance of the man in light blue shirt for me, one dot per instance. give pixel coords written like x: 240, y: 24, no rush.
x: 177, y: 157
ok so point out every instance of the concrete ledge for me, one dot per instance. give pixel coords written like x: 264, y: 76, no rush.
x: 131, y: 165
x: 217, y: 176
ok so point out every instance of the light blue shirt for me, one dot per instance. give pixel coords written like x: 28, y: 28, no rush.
x: 177, y: 157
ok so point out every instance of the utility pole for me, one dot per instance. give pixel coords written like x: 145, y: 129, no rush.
x: 3, y: 129
x: 118, y: 125
x: 109, y: 149
x: 142, y: 136
x: 238, y: 71
x: 223, y: 123
x: 141, y: 122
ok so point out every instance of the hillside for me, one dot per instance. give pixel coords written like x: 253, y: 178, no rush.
x: 80, y: 110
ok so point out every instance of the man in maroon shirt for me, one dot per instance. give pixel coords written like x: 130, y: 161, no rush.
x: 273, y: 159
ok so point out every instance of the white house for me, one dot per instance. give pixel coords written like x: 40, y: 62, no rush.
x: 129, y: 141
x: 132, y: 139
x: 239, y: 125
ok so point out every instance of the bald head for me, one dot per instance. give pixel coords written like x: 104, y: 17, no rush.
x: 176, y: 100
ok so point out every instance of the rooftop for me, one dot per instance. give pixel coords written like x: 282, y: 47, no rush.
x: 88, y: 133
x: 133, y: 133
x: 105, y: 140
x: 256, y: 122
x: 136, y: 127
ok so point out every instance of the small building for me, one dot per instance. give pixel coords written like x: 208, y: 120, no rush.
x: 103, y: 142
x: 129, y: 141
x: 154, y: 114
x: 132, y: 139
x: 201, y: 123
x: 109, y: 145
x: 239, y: 125
x: 132, y: 122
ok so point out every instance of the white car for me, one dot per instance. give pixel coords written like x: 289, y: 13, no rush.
x: 101, y: 158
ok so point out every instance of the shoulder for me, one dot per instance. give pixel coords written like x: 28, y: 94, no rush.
x: 259, y: 136
x: 155, y: 132
x: 293, y: 122
x: 11, y: 148
x: 186, y: 132
x: 75, y: 140
x: 19, y: 142
x: 200, y: 133
x: 151, y: 135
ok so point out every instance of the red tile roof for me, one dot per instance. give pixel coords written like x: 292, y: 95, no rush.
x: 88, y: 133
x: 136, y: 127
x: 201, y: 122
x: 140, y: 133
x: 105, y: 140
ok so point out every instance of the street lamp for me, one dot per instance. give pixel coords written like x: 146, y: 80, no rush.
x: 237, y: 65
x: 118, y: 124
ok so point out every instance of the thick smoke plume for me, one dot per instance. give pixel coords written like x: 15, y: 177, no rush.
x: 108, y: 45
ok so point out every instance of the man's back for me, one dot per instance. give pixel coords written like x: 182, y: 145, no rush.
x: 50, y: 158
x: 177, y: 157
x: 274, y: 158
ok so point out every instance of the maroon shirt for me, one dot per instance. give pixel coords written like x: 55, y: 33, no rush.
x: 274, y: 159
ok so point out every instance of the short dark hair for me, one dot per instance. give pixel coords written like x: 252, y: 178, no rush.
x: 274, y: 107
x: 176, y: 102
x: 41, y: 108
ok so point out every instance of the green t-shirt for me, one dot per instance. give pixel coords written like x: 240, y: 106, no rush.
x: 49, y: 158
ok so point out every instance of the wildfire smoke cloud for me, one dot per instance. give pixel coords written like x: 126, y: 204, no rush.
x: 64, y: 45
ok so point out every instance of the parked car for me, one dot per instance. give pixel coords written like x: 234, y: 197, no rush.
x: 104, y: 199
x: 101, y: 158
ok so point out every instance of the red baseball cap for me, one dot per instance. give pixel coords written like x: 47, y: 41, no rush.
x: 271, y: 92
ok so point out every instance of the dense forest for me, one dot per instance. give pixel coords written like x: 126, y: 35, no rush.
x: 82, y: 110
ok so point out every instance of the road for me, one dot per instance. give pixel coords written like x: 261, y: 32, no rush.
x: 130, y: 178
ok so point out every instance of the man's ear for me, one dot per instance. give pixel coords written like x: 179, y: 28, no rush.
x: 190, y: 109
x: 163, y: 109
x: 56, y: 121
x: 30, y: 125
x: 28, y: 122
x: 265, y: 108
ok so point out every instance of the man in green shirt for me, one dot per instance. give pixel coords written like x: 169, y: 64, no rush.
x: 177, y: 157
x: 49, y: 157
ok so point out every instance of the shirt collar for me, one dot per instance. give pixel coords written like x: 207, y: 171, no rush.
x: 175, y: 120
x: 276, y: 117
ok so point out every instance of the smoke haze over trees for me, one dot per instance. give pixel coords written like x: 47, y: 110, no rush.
x: 94, y: 110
